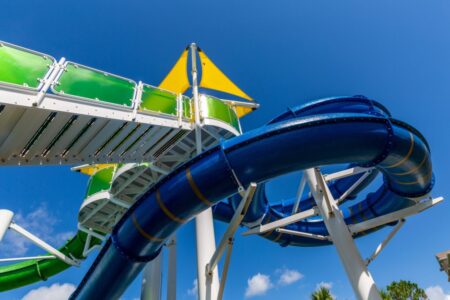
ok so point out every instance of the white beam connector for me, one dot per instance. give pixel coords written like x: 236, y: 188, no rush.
x: 283, y: 222
x: 345, y: 173
x: 40, y: 243
x: 394, y: 216
x: 385, y: 242
x: 137, y: 98
x: 320, y: 189
x: 49, y: 81
x: 5, y: 220
x: 91, y: 232
x: 180, y: 109
x: 232, y: 227
x: 304, y: 234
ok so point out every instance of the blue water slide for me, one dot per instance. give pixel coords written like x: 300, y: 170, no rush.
x: 344, y: 130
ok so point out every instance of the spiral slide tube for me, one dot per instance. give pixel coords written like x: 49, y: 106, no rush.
x: 366, y: 138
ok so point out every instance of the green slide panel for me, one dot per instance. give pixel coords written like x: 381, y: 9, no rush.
x: 101, y: 180
x: 31, y: 271
x: 221, y: 111
x: 23, y: 67
x: 159, y: 101
x: 187, y: 108
x: 91, y: 84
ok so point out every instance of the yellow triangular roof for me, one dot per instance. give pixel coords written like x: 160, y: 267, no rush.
x: 213, y: 78
x: 177, y: 80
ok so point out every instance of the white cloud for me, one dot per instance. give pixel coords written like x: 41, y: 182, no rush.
x: 436, y: 293
x: 288, y: 276
x: 257, y: 285
x: 39, y: 222
x: 54, y: 292
x: 194, y: 290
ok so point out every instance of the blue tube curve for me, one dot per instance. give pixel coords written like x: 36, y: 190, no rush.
x: 339, y: 130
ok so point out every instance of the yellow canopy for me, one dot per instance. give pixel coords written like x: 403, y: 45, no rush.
x: 214, y: 78
x: 177, y: 80
x: 92, y: 169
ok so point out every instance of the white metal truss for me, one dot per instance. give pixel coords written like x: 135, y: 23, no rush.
x: 39, y: 128
x: 340, y: 233
x: 360, y: 278
x: 101, y: 211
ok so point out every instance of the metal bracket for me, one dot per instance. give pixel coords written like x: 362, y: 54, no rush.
x: 283, y: 222
x: 137, y: 99
x: 226, y: 243
x: 385, y: 242
x: 56, y: 68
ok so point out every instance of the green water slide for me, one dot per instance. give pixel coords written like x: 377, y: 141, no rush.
x: 31, y: 271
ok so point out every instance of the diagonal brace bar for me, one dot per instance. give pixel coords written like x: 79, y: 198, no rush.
x: 283, y: 222
x: 385, y: 242
x: 232, y: 227
x: 40, y: 243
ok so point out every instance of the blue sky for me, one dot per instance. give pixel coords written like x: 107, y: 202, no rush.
x: 282, y: 54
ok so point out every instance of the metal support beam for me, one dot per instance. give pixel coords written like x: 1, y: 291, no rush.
x: 304, y: 234
x: 172, y: 272
x: 360, y: 278
x: 232, y: 227
x: 385, y: 242
x: 226, y: 265
x: 283, y: 222
x: 226, y: 243
x: 345, y: 173
x: 394, y: 216
x: 301, y: 188
x: 208, y: 286
x: 40, y: 257
x: 197, y: 115
x: 353, y: 187
x: 49, y: 81
x: 40, y: 243
x: 152, y: 280
x: 5, y: 219
x: 137, y: 98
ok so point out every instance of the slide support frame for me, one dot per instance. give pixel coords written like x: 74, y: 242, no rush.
x: 361, y: 280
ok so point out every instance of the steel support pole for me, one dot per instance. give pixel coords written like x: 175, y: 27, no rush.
x: 361, y: 280
x: 5, y: 219
x: 208, y: 286
x: 172, y: 272
x: 152, y: 280
x: 43, y: 245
